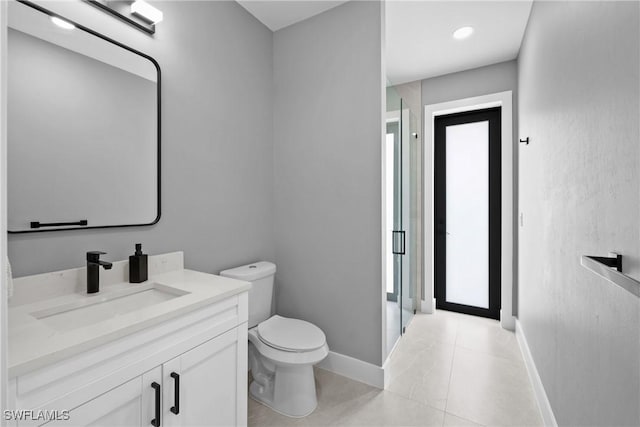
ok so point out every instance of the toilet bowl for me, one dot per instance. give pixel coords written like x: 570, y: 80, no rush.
x: 282, y: 351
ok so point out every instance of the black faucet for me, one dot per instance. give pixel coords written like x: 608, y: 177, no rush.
x: 93, y: 270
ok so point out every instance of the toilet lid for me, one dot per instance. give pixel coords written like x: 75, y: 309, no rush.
x: 290, y: 334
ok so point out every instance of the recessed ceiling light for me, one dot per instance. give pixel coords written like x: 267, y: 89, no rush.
x: 462, y: 33
x: 62, y: 23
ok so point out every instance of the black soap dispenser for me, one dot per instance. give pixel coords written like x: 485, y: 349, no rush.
x: 138, y: 266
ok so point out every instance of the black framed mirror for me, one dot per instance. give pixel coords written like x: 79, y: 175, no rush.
x: 83, y: 127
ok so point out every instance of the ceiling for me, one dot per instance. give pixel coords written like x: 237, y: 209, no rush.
x: 419, y: 41
x: 277, y: 14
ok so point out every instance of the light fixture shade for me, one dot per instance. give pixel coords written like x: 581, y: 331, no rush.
x: 147, y: 12
x: 62, y: 23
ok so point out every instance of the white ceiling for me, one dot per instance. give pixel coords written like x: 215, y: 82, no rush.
x: 277, y: 14
x: 419, y: 41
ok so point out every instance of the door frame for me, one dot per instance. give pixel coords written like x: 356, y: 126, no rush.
x: 493, y: 116
x: 508, y: 203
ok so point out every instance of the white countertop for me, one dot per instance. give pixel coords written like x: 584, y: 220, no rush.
x: 33, y: 344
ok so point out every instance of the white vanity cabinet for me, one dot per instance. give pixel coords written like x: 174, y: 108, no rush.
x: 121, y: 382
x: 131, y: 404
x: 206, y: 374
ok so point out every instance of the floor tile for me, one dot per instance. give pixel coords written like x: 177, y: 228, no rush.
x: 487, y: 336
x: 449, y: 369
x: 422, y: 375
x: 383, y: 408
x: 336, y: 395
x: 260, y: 415
x: 491, y: 390
x: 439, y: 327
x: 453, y: 421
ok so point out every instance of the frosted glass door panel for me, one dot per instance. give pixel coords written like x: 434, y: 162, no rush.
x: 467, y: 214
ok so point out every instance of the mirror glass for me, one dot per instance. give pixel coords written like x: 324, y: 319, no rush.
x: 83, y: 127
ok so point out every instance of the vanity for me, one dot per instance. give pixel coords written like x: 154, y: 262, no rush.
x: 171, y: 351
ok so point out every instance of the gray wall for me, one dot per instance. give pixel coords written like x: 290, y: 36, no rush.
x: 466, y: 84
x: 217, y: 146
x: 327, y: 150
x: 580, y: 194
x: 476, y: 82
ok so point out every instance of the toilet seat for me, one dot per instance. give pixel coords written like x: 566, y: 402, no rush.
x: 292, y: 335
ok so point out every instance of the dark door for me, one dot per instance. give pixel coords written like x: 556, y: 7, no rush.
x: 467, y: 212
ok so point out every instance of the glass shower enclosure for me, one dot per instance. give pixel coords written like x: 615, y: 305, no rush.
x: 401, y: 280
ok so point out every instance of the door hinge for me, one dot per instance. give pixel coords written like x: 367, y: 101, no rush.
x: 397, y: 244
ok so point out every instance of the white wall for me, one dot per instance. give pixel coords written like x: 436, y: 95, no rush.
x: 327, y: 175
x: 580, y: 194
x: 217, y: 143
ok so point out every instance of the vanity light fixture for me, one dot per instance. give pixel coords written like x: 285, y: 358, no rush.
x: 138, y: 14
x: 62, y: 23
x: 145, y: 11
x: 462, y: 33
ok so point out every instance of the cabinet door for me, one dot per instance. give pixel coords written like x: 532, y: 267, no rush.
x: 149, y: 401
x: 212, y: 383
x: 131, y: 404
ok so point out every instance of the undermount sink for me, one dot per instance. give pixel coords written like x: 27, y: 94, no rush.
x: 97, y: 308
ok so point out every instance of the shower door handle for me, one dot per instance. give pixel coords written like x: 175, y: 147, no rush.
x: 398, y: 242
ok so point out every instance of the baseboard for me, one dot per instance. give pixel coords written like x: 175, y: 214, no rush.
x: 386, y: 370
x: 507, y: 321
x: 353, y: 368
x: 425, y: 307
x: 538, y: 388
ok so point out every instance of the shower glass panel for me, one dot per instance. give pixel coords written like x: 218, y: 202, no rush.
x: 400, y: 178
x: 408, y: 201
x: 393, y: 177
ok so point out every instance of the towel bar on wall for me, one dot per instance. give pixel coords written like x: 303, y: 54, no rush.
x: 610, y: 268
x: 38, y: 224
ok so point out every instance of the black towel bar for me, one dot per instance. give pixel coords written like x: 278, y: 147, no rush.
x: 38, y: 224
x: 604, y: 267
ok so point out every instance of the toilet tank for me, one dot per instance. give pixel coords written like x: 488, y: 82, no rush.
x: 260, y: 274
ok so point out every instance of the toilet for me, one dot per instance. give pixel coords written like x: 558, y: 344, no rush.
x: 282, y: 351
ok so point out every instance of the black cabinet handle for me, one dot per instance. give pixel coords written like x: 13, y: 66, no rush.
x: 176, y: 393
x: 156, y: 421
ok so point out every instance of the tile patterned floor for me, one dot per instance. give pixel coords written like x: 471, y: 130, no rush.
x: 448, y: 370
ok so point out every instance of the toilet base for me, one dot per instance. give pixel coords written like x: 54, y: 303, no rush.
x: 291, y: 391
x: 283, y: 380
